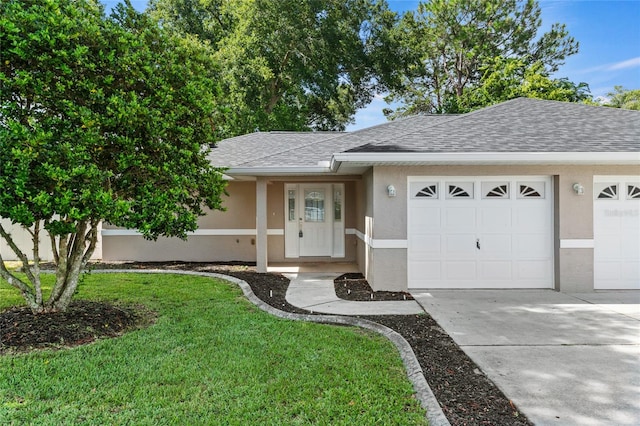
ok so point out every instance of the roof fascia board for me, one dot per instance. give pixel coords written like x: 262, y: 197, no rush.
x: 489, y: 157
x: 278, y: 171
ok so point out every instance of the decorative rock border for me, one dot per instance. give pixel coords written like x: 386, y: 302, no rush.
x: 435, y: 415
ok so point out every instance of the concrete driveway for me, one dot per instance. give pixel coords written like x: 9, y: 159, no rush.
x: 563, y: 359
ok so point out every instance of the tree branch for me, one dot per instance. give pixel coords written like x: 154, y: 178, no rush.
x: 92, y: 238
x: 36, y: 262
x: 23, y: 257
x: 27, y: 292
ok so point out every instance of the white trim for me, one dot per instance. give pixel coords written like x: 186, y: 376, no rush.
x: 389, y: 244
x: 378, y: 243
x: 576, y: 243
x: 197, y: 232
x: 278, y: 171
x: 490, y: 157
x: 360, y: 235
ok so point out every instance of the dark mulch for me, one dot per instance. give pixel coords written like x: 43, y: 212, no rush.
x: 465, y: 394
x: 82, y: 323
x: 353, y: 286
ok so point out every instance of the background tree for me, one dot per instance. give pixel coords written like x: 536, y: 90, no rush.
x: 290, y: 64
x: 455, y: 40
x: 504, y: 79
x: 101, y: 119
x: 623, y: 98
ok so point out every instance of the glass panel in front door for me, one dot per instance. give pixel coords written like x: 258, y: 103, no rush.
x: 314, y: 205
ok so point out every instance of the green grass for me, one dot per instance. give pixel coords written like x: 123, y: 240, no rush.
x: 211, y: 358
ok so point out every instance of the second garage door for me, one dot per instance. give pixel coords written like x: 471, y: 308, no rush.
x: 616, y: 232
x: 470, y: 232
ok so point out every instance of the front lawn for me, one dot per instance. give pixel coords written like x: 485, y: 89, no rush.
x: 210, y: 358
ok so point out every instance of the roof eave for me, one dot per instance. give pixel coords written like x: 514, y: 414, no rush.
x: 278, y: 171
x: 486, y: 158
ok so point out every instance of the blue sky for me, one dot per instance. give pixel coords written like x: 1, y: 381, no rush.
x: 608, y: 32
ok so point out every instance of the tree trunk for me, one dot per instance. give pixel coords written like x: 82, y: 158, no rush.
x: 74, y: 252
x: 71, y: 255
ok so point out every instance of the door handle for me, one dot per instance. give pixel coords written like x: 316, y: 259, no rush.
x: 478, y: 243
x: 300, y: 234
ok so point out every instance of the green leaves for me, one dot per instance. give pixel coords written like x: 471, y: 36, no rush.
x: 508, y: 78
x: 623, y: 98
x: 455, y: 41
x: 287, y: 64
x: 103, y: 119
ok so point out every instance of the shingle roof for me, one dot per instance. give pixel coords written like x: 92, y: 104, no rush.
x: 257, y: 148
x: 520, y: 126
x: 523, y: 125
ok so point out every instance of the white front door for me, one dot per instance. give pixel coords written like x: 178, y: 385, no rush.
x: 314, y: 223
x: 616, y: 232
x: 470, y: 232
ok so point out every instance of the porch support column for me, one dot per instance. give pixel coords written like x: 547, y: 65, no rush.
x: 261, y: 224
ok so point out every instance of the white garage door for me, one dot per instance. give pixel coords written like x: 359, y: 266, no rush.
x: 469, y: 232
x: 616, y: 232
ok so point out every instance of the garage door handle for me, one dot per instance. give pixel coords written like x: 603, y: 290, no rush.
x: 478, y: 244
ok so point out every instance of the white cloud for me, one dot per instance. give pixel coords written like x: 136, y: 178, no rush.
x: 616, y: 66
x: 629, y: 63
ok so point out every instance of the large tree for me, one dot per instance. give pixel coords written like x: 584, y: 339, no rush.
x: 101, y: 119
x: 503, y: 79
x: 291, y: 64
x: 454, y: 40
x: 623, y: 98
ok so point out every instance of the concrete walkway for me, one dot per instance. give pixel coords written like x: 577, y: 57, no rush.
x: 563, y: 359
x: 314, y: 291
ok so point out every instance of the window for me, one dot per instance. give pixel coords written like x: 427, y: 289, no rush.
x: 633, y: 192
x: 313, y: 206
x: 424, y: 190
x: 292, y: 205
x: 495, y: 190
x: 430, y: 191
x: 337, y: 204
x: 459, y: 190
x: 606, y: 191
x: 531, y: 190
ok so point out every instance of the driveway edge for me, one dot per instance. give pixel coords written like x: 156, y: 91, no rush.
x: 427, y: 399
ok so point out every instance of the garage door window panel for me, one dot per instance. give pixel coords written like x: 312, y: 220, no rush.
x: 527, y: 190
x: 495, y: 190
x: 428, y: 191
x: 459, y: 190
x: 606, y: 191
x: 633, y: 192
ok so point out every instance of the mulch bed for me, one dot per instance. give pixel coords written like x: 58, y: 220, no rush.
x: 465, y: 394
x: 82, y: 323
x: 353, y: 286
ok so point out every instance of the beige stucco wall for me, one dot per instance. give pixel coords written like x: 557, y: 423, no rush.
x: 194, y: 249
x: 242, y: 198
x: 573, y: 215
x: 389, y: 269
x: 24, y: 241
x: 240, y: 215
x: 364, y: 224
